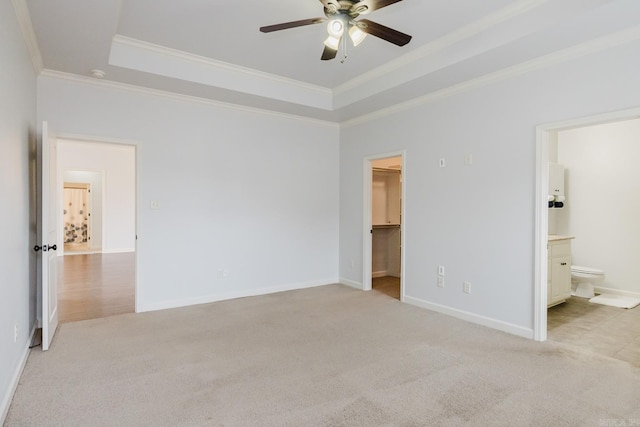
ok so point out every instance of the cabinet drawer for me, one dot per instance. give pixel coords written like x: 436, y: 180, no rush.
x: 561, y: 248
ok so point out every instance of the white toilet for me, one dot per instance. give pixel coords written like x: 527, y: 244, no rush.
x: 583, y: 280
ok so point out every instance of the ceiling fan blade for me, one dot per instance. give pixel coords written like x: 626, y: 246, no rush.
x: 328, y: 53
x: 365, y: 6
x: 385, y: 33
x: 293, y: 24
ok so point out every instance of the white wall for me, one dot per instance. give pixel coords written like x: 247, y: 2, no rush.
x: 602, y: 186
x: 477, y: 220
x: 17, y: 202
x: 94, y: 179
x: 250, y: 193
x: 116, y: 162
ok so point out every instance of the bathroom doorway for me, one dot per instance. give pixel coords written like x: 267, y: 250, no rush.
x: 383, y: 252
x: 574, y: 144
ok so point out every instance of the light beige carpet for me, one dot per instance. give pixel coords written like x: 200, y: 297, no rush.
x: 327, y: 356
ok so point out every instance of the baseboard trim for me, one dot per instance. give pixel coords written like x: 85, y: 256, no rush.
x: 471, y: 317
x: 379, y: 274
x: 13, y: 385
x: 351, y: 283
x: 613, y: 291
x: 233, y: 295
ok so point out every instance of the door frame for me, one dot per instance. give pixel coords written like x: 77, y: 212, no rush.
x: 367, y: 219
x: 544, y: 134
x: 89, y: 139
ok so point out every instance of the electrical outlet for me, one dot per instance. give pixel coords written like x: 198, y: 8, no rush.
x: 441, y: 270
x: 353, y: 264
x: 466, y: 287
x: 442, y: 163
x: 468, y: 159
x: 440, y: 282
x: 154, y: 204
x: 15, y: 333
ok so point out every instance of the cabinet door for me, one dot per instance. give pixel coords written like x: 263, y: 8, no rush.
x: 560, y: 278
x: 549, y: 278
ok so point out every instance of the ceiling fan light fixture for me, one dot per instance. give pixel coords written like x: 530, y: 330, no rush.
x: 335, y: 27
x: 332, y: 42
x: 357, y: 35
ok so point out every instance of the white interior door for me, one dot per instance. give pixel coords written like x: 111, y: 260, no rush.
x: 48, y: 224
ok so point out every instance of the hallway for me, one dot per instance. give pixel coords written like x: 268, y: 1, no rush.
x: 95, y: 285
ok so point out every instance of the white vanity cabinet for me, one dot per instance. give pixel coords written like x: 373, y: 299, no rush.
x: 558, y: 270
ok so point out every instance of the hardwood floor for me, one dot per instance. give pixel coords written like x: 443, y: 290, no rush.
x: 76, y: 247
x: 96, y: 285
x: 387, y: 285
x: 611, y: 331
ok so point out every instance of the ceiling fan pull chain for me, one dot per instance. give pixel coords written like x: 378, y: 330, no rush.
x: 344, y: 49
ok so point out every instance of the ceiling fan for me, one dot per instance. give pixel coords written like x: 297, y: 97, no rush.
x: 341, y: 15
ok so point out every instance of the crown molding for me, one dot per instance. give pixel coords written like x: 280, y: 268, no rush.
x: 125, y: 87
x: 558, y: 57
x: 152, y: 58
x: 438, y: 45
x: 29, y: 35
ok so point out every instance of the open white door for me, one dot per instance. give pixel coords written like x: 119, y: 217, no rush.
x: 48, y: 224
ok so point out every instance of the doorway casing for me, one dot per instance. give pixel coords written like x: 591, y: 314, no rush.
x: 367, y: 222
x: 544, y: 133
x: 136, y: 152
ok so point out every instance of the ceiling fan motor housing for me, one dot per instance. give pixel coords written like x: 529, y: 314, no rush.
x: 344, y: 7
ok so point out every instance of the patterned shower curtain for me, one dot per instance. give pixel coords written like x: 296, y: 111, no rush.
x: 75, y: 215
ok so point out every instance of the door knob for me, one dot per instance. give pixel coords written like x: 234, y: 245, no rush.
x: 45, y: 248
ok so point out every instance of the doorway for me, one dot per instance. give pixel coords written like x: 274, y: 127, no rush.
x: 547, y: 141
x: 76, y: 217
x: 383, y: 218
x: 97, y: 269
